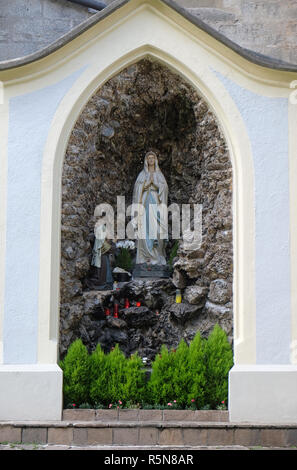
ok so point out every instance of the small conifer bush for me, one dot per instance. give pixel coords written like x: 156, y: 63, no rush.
x: 134, y: 384
x: 181, y: 378
x: 192, y: 376
x: 75, y: 367
x: 218, y: 361
x: 99, y: 376
x: 197, y: 372
x: 159, y: 388
x: 114, y: 378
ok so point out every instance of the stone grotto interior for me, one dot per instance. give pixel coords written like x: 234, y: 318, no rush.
x: 145, y: 107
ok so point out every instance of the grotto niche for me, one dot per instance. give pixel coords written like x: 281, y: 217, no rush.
x: 146, y: 107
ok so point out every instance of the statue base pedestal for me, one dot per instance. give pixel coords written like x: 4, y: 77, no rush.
x: 151, y: 271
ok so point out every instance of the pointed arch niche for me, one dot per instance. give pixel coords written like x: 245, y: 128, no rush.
x: 147, y: 106
x: 216, y: 107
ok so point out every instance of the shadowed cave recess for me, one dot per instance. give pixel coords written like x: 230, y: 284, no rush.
x: 147, y: 107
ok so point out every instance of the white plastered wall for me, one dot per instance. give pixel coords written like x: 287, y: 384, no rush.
x: 63, y: 83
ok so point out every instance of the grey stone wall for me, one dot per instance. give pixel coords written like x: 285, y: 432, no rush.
x: 27, y: 26
x: 268, y: 27
x: 265, y: 26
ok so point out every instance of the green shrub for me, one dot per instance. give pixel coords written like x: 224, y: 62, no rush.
x: 116, y: 365
x: 196, y: 376
x: 159, y: 387
x: 114, y: 377
x: 181, y: 378
x: 99, y: 376
x: 134, y: 384
x: 197, y: 371
x: 190, y: 377
x: 107, y: 375
x: 219, y: 360
x: 124, y: 259
x: 75, y: 368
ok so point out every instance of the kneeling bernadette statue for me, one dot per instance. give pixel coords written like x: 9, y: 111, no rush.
x: 150, y: 191
x: 100, y: 275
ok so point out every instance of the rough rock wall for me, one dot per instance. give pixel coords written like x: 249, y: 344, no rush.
x: 147, y: 107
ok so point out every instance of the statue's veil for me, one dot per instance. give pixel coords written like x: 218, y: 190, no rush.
x: 144, y: 174
x: 157, y: 168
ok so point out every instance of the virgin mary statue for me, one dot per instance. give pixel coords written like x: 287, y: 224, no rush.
x: 150, y: 191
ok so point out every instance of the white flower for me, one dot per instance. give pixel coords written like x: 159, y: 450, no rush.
x: 128, y: 244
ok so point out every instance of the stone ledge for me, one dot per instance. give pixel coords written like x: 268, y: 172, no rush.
x: 150, y: 433
x: 146, y: 423
x: 145, y: 415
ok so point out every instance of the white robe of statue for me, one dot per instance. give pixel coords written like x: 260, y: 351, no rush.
x: 100, y: 236
x: 151, y: 190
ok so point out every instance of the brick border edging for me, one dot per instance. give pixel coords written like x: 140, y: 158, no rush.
x: 148, y: 433
x: 145, y: 415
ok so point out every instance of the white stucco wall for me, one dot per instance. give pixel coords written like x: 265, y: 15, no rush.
x: 30, y: 116
x: 266, y: 121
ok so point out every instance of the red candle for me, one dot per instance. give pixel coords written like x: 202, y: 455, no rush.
x: 116, y: 310
x: 107, y: 312
x: 138, y: 304
x: 127, y: 303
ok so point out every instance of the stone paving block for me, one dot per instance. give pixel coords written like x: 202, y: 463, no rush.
x: 128, y: 415
x: 247, y: 436
x: 220, y: 436
x: 80, y: 436
x: 79, y: 415
x: 148, y: 436
x: 106, y: 415
x: 273, y: 437
x: 150, y: 415
x: 60, y: 436
x: 179, y: 415
x: 195, y: 437
x: 38, y: 435
x: 171, y: 436
x: 212, y: 415
x: 99, y: 436
x: 10, y: 434
x: 291, y: 437
x: 125, y: 436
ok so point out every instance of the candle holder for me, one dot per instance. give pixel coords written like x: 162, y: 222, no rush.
x: 116, y: 310
x: 178, y: 297
x: 138, y: 304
